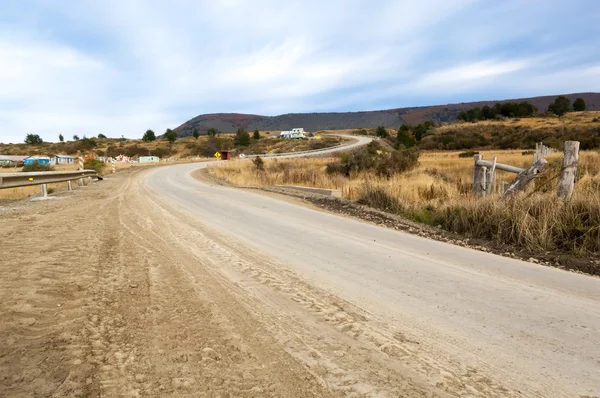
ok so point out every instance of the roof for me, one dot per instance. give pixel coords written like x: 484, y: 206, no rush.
x: 13, y: 158
x: 64, y: 156
x: 37, y: 157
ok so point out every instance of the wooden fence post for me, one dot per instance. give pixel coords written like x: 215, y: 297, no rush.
x: 478, y: 176
x: 491, y: 180
x: 525, y: 177
x: 569, y: 169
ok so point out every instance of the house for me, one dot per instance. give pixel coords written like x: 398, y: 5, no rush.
x: 37, y: 159
x: 149, y: 159
x: 225, y: 155
x: 294, y: 134
x: 62, y: 159
x: 122, y: 158
x: 12, y: 161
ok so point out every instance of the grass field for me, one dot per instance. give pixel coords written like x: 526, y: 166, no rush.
x: 439, y: 192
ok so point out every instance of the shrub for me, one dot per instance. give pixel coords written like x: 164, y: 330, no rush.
x: 468, y: 154
x: 94, y: 164
x: 35, y: 166
x: 374, y: 157
x: 259, y: 163
x: 382, y: 132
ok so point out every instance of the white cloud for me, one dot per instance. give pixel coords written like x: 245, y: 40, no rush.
x: 117, y: 67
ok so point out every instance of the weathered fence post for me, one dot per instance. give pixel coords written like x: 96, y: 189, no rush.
x: 478, y: 176
x: 568, y: 170
x: 69, y: 186
x: 526, y: 176
x: 491, y: 180
x: 45, y: 190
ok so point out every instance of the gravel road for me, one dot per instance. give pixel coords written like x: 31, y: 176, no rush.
x: 154, y: 283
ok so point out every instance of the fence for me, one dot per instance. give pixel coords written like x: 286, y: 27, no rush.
x: 485, y: 179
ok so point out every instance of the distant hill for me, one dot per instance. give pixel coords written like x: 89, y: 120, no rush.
x: 230, y: 122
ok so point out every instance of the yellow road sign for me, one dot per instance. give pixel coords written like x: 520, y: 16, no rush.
x: 217, y: 154
x: 318, y: 137
x: 270, y: 152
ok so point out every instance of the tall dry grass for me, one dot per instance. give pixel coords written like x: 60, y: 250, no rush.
x: 439, y: 192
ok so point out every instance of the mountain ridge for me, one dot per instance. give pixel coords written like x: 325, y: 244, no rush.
x: 315, y: 121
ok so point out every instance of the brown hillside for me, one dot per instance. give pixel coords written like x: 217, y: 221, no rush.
x: 393, y: 118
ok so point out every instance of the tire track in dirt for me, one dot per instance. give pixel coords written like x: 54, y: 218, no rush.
x: 341, y: 344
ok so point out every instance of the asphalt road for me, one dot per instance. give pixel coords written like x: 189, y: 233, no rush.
x: 465, y: 321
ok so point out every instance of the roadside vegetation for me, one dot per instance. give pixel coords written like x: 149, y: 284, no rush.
x: 437, y: 190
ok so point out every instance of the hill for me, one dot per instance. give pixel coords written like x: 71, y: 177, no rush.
x: 230, y: 122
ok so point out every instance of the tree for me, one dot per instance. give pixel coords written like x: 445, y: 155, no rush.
x: 171, y: 136
x: 211, y: 132
x: 382, y: 132
x: 33, y: 139
x: 75, y: 137
x: 149, y: 136
x: 195, y: 134
x: 242, y: 138
x: 101, y: 136
x: 579, y: 105
x: 256, y: 135
x: 404, y: 139
x: 61, y: 138
x: 560, y: 106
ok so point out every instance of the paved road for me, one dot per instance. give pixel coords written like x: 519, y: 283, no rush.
x: 459, y: 320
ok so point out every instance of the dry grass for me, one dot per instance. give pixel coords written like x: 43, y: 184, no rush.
x: 439, y: 192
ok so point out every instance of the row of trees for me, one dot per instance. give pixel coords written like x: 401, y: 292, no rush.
x: 562, y: 105
x: 506, y: 109
x: 35, y: 139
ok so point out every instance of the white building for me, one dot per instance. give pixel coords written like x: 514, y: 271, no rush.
x: 294, y: 134
x: 62, y: 159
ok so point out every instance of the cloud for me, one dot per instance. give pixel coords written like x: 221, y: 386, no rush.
x: 118, y: 68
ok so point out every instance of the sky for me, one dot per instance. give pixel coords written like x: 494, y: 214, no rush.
x: 120, y: 67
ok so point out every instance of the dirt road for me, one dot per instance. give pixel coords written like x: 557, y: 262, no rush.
x: 154, y: 284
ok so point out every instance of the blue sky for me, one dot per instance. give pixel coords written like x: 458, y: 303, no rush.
x: 119, y: 67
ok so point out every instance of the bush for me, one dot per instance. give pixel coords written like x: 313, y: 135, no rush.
x: 375, y: 158
x: 94, y: 164
x: 259, y: 163
x: 28, y: 168
x: 468, y: 154
x: 382, y: 132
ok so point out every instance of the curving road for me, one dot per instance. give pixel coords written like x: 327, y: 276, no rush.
x: 414, y: 315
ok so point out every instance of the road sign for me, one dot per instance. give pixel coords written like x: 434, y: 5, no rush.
x: 318, y: 137
x: 217, y: 154
x: 270, y: 152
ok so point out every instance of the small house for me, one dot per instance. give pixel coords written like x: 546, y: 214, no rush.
x: 225, y: 155
x: 149, y: 159
x: 43, y: 160
x: 12, y: 161
x: 295, y: 133
x: 62, y: 159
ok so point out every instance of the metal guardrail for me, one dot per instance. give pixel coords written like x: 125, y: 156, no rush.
x: 15, y: 180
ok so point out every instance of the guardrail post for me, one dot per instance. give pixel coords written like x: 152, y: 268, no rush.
x: 45, y: 190
x: 69, y: 186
